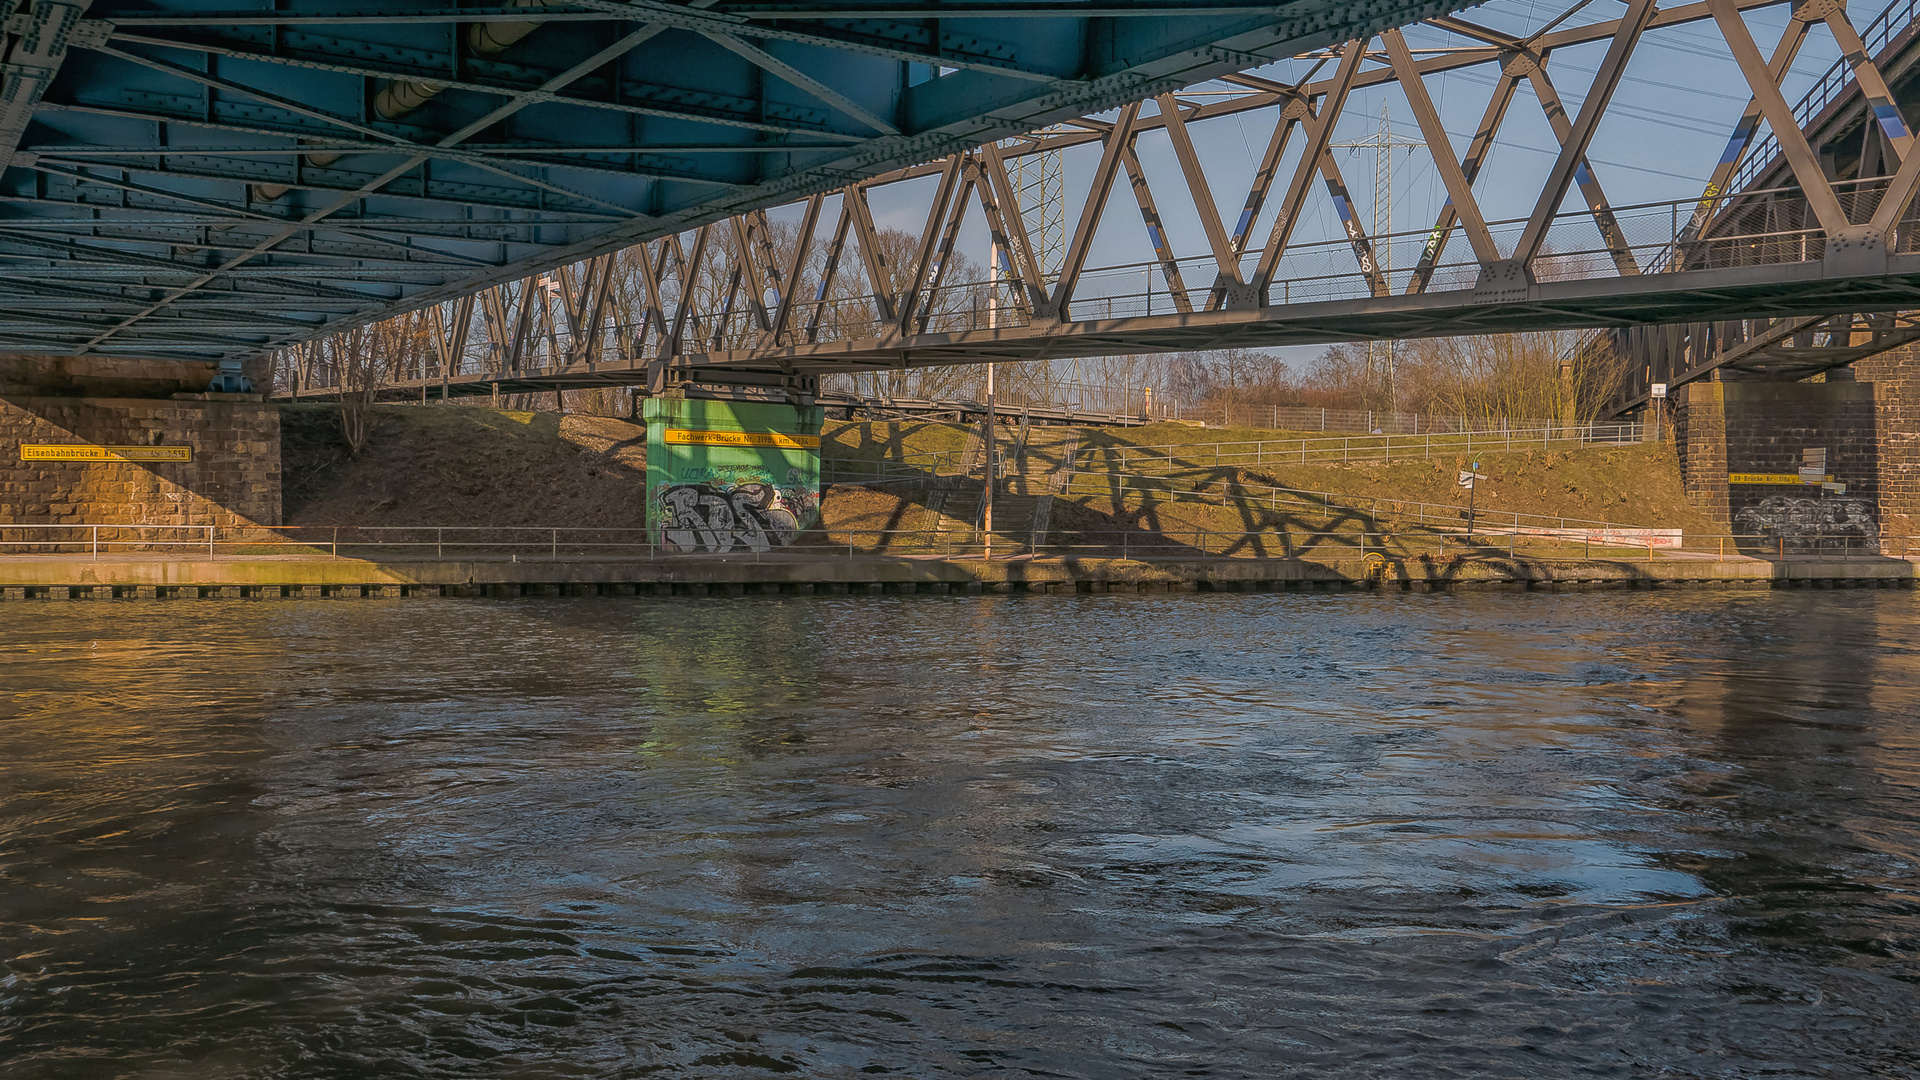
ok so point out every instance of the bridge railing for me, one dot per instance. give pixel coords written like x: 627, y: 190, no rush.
x: 1354, y: 538
x: 1277, y: 452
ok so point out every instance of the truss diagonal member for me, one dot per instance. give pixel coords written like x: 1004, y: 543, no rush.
x: 1786, y: 128
x: 1873, y: 86
x: 1320, y: 133
x: 770, y: 277
x: 831, y: 269
x: 1011, y: 224
x: 683, y: 306
x: 929, y: 242
x: 783, y: 314
x: 516, y: 352
x: 1583, y: 175
x: 1893, y: 205
x: 652, y: 268
x: 867, y: 238
x: 39, y: 46
x: 1118, y: 142
x: 786, y: 72
x: 745, y: 239
x: 1294, y: 109
x: 1350, y: 224
x: 1156, y: 234
x: 1459, y: 186
x: 943, y: 255
x: 1573, y: 148
x: 1477, y: 149
x: 593, y: 310
x: 1226, y: 262
x: 1533, y: 65
x: 1792, y: 37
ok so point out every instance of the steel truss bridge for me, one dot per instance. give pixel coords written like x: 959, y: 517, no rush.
x: 1795, y: 241
x: 218, y: 178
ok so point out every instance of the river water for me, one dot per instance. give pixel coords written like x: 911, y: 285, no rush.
x: 1509, y: 835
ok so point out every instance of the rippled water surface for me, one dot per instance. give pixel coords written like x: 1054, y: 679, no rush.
x: 1635, y: 835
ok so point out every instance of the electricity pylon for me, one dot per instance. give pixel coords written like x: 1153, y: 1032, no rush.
x: 1383, y: 142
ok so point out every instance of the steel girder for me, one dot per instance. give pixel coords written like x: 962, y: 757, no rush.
x: 161, y: 156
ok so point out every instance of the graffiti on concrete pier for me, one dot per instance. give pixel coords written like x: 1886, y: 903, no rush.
x: 720, y: 516
x: 1805, y: 524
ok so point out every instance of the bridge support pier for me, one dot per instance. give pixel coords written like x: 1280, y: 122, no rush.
x: 726, y: 476
x: 1742, y: 445
x: 107, y: 441
x: 1895, y: 375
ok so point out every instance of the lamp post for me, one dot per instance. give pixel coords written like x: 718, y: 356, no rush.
x: 993, y: 465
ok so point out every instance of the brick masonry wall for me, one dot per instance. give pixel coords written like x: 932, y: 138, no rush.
x: 1699, y: 430
x: 1895, y: 376
x: 1762, y: 427
x: 233, y: 479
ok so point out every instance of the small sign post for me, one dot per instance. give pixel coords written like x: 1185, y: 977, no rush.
x: 1467, y: 477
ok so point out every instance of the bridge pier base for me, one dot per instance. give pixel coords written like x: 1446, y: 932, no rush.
x: 726, y: 476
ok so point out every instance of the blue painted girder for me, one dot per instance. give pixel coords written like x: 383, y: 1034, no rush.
x: 213, y: 179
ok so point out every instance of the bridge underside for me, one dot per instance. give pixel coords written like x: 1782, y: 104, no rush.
x: 220, y: 179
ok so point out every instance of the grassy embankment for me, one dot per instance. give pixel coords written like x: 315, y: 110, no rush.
x: 483, y: 467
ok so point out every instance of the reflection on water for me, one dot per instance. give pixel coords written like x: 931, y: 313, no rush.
x: 1474, y: 835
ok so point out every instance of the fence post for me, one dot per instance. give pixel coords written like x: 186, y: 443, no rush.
x: 553, y: 552
x: 439, y: 543
x: 336, y: 541
x: 210, y: 529
x: 96, y: 543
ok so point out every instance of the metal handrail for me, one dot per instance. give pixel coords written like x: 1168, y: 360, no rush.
x: 1109, y: 482
x: 558, y: 543
x: 1307, y: 451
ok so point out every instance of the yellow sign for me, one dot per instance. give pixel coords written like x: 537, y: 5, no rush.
x: 1775, y: 478
x: 683, y: 437
x: 30, y: 452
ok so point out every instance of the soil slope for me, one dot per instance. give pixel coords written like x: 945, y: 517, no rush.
x: 464, y: 466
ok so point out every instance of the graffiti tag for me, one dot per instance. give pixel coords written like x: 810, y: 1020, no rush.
x: 719, y: 517
x: 1807, y: 523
